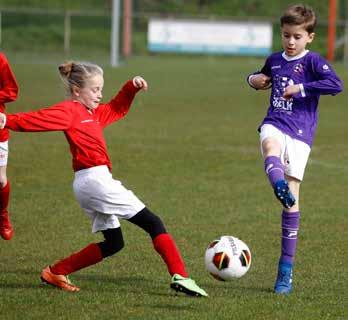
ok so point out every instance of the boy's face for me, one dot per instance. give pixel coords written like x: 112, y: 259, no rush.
x: 295, y: 39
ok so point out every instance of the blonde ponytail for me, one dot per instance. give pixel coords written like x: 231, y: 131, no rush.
x: 78, y: 73
x: 65, y: 69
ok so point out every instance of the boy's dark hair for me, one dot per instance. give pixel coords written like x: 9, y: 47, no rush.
x: 299, y: 14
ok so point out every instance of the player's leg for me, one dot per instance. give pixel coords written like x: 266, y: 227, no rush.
x: 297, y: 157
x: 165, y: 245
x: 290, y: 221
x: 95, y: 252
x: 272, y: 148
x: 6, y: 229
x: 162, y: 241
x: 87, y: 184
x: 113, y: 242
x: 104, y: 194
x: 56, y: 274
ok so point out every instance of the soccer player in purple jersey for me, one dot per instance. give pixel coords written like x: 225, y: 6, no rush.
x: 297, y: 77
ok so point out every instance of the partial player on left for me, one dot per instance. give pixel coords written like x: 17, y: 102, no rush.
x: 8, y: 93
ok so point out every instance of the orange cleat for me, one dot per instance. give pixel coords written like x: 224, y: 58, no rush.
x: 57, y: 280
x: 6, y: 230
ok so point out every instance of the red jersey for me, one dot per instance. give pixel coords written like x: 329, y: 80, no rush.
x: 8, y: 89
x: 83, y: 128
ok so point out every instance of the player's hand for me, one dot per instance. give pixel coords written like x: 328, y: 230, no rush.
x: 140, y: 83
x: 260, y: 81
x: 2, y: 120
x: 291, y: 91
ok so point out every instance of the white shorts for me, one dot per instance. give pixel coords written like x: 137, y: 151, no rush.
x: 104, y: 199
x: 3, y: 153
x: 294, y: 153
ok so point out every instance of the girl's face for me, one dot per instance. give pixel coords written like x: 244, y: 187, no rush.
x: 91, y: 94
x: 295, y: 39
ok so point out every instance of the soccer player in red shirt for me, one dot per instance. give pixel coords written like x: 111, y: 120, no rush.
x: 8, y: 93
x: 82, y: 118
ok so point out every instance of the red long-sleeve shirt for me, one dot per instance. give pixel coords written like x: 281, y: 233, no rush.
x: 8, y: 89
x: 83, y: 128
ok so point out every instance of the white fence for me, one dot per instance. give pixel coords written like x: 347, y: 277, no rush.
x: 210, y: 37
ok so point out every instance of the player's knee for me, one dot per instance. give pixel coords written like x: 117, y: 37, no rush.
x: 110, y: 248
x: 3, y: 179
x: 113, y: 242
x: 115, y: 247
x: 149, y: 222
x: 271, y: 147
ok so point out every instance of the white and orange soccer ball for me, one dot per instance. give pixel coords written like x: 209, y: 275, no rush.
x: 227, y: 258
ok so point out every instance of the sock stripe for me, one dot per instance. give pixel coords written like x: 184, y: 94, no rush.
x: 273, y: 169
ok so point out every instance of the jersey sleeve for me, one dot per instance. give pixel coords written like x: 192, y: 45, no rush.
x: 55, y: 118
x: 117, y: 107
x: 266, y: 70
x: 326, y: 82
x: 8, y: 83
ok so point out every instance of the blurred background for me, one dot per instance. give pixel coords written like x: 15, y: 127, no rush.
x: 47, y: 30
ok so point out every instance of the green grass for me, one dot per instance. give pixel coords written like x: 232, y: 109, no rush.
x: 189, y: 149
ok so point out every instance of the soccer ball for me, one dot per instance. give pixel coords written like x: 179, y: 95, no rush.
x: 227, y: 258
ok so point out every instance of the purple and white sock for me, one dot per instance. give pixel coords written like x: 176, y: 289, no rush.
x: 290, y: 226
x: 274, y: 169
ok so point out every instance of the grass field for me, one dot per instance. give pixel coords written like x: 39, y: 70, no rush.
x: 189, y: 149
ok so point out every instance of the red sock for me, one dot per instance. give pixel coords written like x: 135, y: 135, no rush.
x: 165, y: 246
x: 82, y: 259
x: 4, y: 197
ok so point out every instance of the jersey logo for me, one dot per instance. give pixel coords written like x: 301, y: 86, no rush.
x: 289, y: 234
x: 292, y: 234
x: 279, y: 85
x: 88, y: 120
x: 298, y: 68
x: 326, y: 67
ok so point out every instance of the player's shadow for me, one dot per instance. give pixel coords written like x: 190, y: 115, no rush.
x: 224, y: 285
x: 121, y: 281
x: 135, y: 284
x: 173, y: 307
x: 18, y: 285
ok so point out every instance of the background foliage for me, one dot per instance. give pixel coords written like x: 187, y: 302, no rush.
x: 243, y: 8
x: 39, y: 35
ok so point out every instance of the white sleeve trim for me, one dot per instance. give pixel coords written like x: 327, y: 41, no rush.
x: 4, y: 124
x: 303, y: 93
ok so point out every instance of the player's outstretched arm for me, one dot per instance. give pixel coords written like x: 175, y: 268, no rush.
x: 140, y: 83
x: 119, y: 106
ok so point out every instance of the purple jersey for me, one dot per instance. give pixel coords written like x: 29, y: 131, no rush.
x: 298, y: 116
